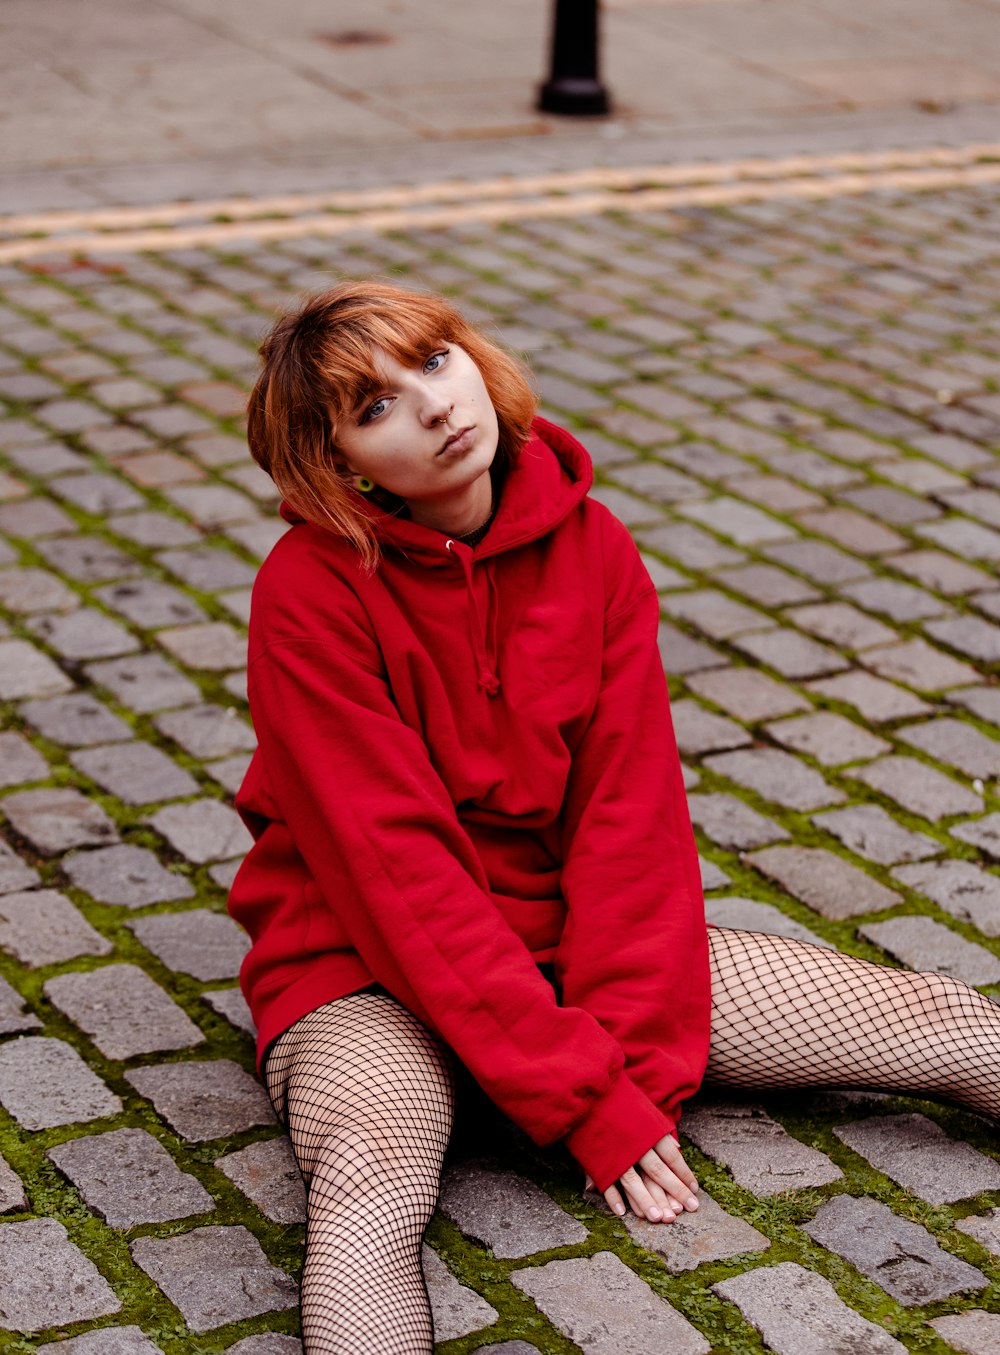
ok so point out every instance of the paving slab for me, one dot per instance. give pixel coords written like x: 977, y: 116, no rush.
x: 19, y: 761
x: 868, y: 830
x: 747, y: 695
x: 203, y: 944
x: 136, y: 772
x: 203, y: 830
x: 123, y: 1011
x: 917, y: 1154
x: 456, y: 1310
x: 875, y: 698
x: 919, y: 788
x: 127, y: 1177
x: 974, y: 1332
x: 776, y: 776
x: 829, y: 738
x: 267, y: 1173
x: 267, y: 1343
x: 41, y: 927
x: 55, y: 820
x: 962, y: 888
x: 26, y: 671
x: 125, y: 875
x: 750, y: 916
x: 702, y: 731
x: 144, y: 683
x: 46, y: 1281
x: 732, y: 824
x: 504, y: 1211
x: 208, y: 731
x: 15, y: 873
x: 983, y: 833
x: 230, y: 1003
x: 13, y: 1017
x: 204, y: 1100
x: 215, y: 1275
x: 800, y: 1313
x: 693, y: 1239
x: 106, y: 1341
x: 75, y: 721
x: 762, y: 1156
x: 956, y: 743
x: 923, y: 944
x: 606, y: 1309
x: 898, y: 1255
x: 12, y: 1196
x: 985, y: 1228
x: 823, y: 881
x: 44, y: 1082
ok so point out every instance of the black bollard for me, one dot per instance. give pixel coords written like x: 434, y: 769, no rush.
x: 574, y: 86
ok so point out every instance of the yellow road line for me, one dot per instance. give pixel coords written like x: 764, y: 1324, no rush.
x: 437, y: 206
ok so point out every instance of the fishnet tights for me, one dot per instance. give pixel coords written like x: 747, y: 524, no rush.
x: 368, y: 1095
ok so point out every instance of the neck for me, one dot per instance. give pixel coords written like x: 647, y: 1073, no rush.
x: 460, y: 513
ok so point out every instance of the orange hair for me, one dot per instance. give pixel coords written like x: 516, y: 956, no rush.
x: 318, y: 364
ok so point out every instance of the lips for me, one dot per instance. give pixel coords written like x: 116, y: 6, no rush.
x: 459, y: 442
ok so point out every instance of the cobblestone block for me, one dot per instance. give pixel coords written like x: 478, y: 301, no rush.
x: 13, y: 1017
x: 985, y: 1228
x: 34, y: 590
x: 97, y: 493
x: 202, y: 830
x: 921, y: 789
x: 127, y: 1177
x: 776, y: 776
x: 901, y: 601
x: 267, y: 1173
x: 898, y: 1255
x: 215, y: 647
x: 204, y: 1100
x: 683, y: 655
x: 606, y: 1309
x: 963, y: 537
x: 923, y: 944
x: 767, y: 585
x: 208, y: 731
x: 918, y: 1155
x: 715, y: 614
x: 12, y: 1196
x: 54, y: 820
x: 207, y: 568
x: 106, y: 1341
x: 961, y: 888
x: 216, y: 449
x: 130, y: 876
x: 750, y: 916
x: 748, y: 695
x: 943, y: 573
x: 969, y: 635
x: 225, y: 873
x: 872, y: 833
x: 215, y: 1275
x: 823, y: 881
x: 762, y: 1156
x: 32, y: 519
x: 123, y: 1011
x: 230, y: 1003
x: 46, y: 1281
x: 829, y: 738
x: 741, y: 522
x: 203, y: 944
x: 960, y: 745
x: 212, y: 506
x: 237, y: 603
x: 505, y: 1212
x: 151, y: 604
x: 44, y: 1083
x: 842, y: 625
x: 974, y: 1332
x: 891, y: 505
x: 790, y: 654
x: 83, y: 634
x: 75, y: 721
x: 455, y: 1309
x: 15, y: 874
x: 230, y: 772
x: 918, y: 664
x: 19, y: 762
x: 660, y: 483
x: 70, y: 416
x: 700, y: 731
x: 800, y: 1313
x: 266, y: 1343
x: 690, y: 547
x: 41, y: 927
x: 144, y: 683
x: 152, y: 529
x: 982, y: 701
x: 732, y: 824
x: 982, y: 833
x: 709, y: 1234
x: 25, y: 671
x: 712, y: 877
x: 819, y: 562
x: 876, y: 699
x: 135, y: 772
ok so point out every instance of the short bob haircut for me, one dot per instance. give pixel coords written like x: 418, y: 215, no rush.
x: 318, y: 365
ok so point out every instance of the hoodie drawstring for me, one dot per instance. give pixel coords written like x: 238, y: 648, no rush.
x: 483, y: 634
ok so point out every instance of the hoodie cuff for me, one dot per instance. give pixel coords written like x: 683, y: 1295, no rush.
x: 619, y: 1128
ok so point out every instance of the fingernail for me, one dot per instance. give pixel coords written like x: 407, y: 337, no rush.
x: 619, y: 1209
x: 654, y: 1214
x: 691, y: 1203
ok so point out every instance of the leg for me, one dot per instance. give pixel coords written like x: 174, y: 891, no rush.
x: 368, y: 1096
x: 789, y: 1014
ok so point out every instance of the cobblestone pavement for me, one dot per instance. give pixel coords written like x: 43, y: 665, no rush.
x: 795, y: 407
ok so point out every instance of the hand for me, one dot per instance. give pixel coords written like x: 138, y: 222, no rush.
x: 659, y: 1187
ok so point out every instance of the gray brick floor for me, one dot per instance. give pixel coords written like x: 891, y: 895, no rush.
x: 795, y: 408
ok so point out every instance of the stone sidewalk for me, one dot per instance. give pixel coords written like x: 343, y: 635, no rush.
x: 795, y: 408
x: 151, y: 100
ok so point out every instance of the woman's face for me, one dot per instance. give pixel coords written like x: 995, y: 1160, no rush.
x: 403, y: 437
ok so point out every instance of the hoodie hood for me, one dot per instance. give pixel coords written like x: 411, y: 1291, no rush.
x: 550, y: 477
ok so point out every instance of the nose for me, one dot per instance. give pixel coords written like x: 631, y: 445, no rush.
x: 437, y: 407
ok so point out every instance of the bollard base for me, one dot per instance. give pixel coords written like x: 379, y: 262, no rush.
x: 575, y: 96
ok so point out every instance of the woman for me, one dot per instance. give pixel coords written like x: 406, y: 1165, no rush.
x: 471, y: 832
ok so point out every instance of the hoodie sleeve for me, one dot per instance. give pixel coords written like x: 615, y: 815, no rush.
x: 634, y: 952
x: 379, y: 833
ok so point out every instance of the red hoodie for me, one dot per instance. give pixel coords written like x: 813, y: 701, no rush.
x: 467, y: 768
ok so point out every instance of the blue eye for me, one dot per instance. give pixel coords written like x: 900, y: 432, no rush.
x: 373, y: 410
x: 438, y: 358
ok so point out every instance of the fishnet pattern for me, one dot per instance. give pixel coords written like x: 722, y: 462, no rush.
x: 368, y: 1096
x: 786, y: 1013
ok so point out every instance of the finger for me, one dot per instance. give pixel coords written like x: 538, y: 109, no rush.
x: 588, y: 1183
x: 639, y: 1197
x: 615, y: 1202
x: 670, y: 1208
x: 669, y: 1150
x: 653, y: 1165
